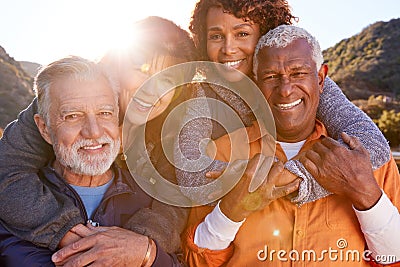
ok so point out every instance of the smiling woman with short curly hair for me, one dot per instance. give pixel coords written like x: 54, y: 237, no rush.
x: 268, y: 14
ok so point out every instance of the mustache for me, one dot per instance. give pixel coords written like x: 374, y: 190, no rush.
x: 75, y: 159
x: 105, y: 139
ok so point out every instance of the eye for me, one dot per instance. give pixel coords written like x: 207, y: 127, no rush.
x: 72, y: 116
x: 270, y: 77
x: 299, y: 74
x: 170, y: 81
x: 106, y: 113
x: 215, y: 37
x: 243, y: 34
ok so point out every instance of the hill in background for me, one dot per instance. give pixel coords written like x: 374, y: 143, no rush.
x: 15, y: 88
x: 369, y: 62
x: 30, y: 67
x: 363, y: 65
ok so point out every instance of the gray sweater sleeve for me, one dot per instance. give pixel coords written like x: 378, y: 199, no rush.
x: 29, y: 209
x: 340, y: 115
x: 190, y: 157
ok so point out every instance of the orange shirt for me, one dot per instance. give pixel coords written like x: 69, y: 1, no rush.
x: 322, y: 233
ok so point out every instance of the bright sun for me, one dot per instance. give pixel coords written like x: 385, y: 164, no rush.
x: 110, y: 25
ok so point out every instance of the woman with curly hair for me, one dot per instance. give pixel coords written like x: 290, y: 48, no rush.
x: 265, y: 15
x: 227, y: 32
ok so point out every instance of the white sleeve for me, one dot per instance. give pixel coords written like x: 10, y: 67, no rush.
x: 381, y: 227
x: 217, y: 231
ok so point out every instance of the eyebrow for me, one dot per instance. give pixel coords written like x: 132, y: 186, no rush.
x: 238, y: 26
x: 242, y: 25
x: 69, y: 110
x: 107, y: 107
x: 301, y: 67
x: 82, y: 108
x: 267, y: 72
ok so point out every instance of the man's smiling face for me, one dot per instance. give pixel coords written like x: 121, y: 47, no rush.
x: 291, y: 84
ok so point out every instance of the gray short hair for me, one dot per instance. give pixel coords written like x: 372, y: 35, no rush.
x: 284, y: 35
x: 72, y: 67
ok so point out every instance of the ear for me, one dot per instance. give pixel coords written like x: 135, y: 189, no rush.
x: 41, y: 124
x: 322, y: 73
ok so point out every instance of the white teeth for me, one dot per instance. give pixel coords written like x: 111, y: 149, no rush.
x: 232, y: 64
x: 142, y: 103
x: 92, y: 147
x: 290, y: 105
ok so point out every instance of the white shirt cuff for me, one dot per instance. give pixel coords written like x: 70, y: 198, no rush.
x: 376, y: 218
x: 217, y: 231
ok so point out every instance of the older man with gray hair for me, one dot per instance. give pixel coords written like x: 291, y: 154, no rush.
x: 78, y: 116
x: 356, y: 224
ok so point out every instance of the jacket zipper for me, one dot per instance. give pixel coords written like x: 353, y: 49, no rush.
x: 77, y: 197
x: 106, y: 199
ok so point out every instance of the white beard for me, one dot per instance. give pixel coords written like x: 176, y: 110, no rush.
x: 87, y: 164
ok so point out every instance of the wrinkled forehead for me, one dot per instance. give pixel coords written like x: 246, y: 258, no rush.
x: 70, y: 88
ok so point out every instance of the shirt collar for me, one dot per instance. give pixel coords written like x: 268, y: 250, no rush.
x: 256, y: 132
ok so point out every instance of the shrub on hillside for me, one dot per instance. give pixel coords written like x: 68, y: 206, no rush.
x: 389, y: 124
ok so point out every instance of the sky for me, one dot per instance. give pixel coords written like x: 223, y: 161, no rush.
x: 42, y: 31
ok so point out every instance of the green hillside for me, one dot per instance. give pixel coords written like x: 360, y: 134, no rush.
x: 369, y: 62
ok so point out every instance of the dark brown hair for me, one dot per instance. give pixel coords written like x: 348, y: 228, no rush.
x: 267, y: 13
x: 162, y: 36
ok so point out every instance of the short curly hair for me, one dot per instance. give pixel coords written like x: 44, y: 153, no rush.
x: 267, y: 13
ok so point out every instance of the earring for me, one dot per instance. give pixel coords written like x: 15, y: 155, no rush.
x: 199, y: 76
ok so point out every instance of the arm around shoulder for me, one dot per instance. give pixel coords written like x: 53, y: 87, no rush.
x: 22, y: 153
x: 340, y: 115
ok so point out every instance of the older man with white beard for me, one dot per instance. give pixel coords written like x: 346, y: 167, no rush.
x: 78, y: 116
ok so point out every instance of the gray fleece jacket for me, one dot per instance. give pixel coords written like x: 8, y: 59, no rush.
x: 34, y: 212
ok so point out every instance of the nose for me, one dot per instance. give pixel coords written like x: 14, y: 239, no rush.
x: 92, y: 128
x: 158, y: 87
x: 230, y: 46
x: 285, y: 87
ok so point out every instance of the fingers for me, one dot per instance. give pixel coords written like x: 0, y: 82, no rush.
x: 84, y: 259
x: 238, y: 165
x: 328, y: 142
x: 232, y: 168
x: 214, y: 174
x: 261, y: 173
x: 63, y: 263
x: 76, y: 247
x: 325, y: 145
x: 285, y: 190
x: 254, y: 164
x: 82, y: 230
x: 275, y: 172
x: 96, y: 229
x: 311, y: 160
x: 352, y: 141
x: 346, y: 139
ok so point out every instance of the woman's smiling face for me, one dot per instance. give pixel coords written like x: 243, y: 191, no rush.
x: 149, y: 102
x: 231, y: 41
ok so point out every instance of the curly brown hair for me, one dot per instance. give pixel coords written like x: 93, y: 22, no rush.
x: 267, y: 13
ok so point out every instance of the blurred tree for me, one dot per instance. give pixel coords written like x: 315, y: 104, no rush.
x: 389, y: 123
